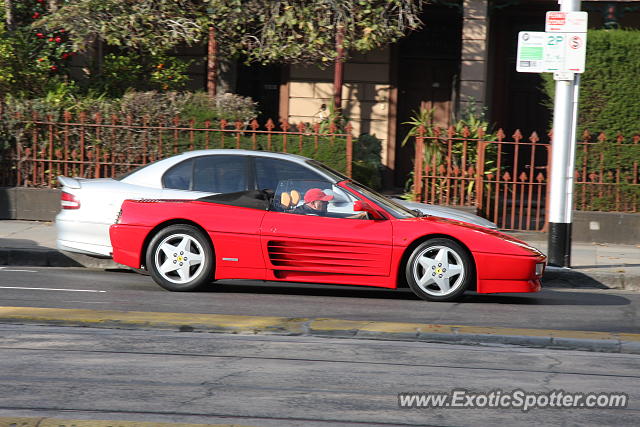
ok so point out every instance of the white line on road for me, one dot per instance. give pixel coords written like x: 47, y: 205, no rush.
x: 24, y: 271
x: 50, y: 289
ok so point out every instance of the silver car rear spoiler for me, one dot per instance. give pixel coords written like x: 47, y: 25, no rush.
x: 69, y: 182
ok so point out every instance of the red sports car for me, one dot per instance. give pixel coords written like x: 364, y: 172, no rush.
x: 319, y: 232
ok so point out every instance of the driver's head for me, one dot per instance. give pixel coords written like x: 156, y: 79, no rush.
x: 316, y: 198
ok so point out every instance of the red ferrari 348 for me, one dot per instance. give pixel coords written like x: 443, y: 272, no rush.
x: 319, y: 232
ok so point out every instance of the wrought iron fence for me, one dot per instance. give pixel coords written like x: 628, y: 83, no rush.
x: 39, y: 149
x: 606, y: 175
x: 506, y: 180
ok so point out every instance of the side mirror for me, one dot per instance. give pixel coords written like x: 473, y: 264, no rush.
x: 362, y: 206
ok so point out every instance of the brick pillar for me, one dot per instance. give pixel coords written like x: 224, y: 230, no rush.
x: 473, y: 73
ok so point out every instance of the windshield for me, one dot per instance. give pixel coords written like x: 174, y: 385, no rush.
x: 337, y: 176
x: 394, y: 208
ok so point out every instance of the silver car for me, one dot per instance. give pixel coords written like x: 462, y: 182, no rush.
x: 90, y: 206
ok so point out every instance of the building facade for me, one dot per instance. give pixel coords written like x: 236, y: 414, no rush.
x: 463, y: 59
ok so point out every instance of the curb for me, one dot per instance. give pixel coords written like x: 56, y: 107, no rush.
x: 48, y: 257
x: 270, y: 325
x: 614, y: 280
x: 60, y: 422
x: 560, y: 277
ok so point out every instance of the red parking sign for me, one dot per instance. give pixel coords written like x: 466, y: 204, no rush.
x: 566, y: 22
x: 575, y: 42
x: 556, y: 19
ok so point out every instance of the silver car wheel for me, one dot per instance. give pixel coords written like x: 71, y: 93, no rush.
x: 179, y: 258
x: 438, y: 270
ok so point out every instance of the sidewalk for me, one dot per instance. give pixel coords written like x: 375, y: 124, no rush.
x: 600, y: 265
x: 33, y: 243
x: 593, y: 265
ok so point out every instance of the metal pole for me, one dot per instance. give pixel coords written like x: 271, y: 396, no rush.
x: 559, y: 221
x: 562, y: 164
x: 572, y: 148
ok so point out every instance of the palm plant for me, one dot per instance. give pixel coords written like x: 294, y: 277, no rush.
x: 423, y: 118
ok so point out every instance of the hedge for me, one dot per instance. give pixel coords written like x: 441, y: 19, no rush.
x: 609, y: 89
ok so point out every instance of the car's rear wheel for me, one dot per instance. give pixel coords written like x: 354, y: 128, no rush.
x: 180, y: 258
x: 439, y: 269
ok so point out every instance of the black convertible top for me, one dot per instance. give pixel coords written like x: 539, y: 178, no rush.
x: 253, y: 199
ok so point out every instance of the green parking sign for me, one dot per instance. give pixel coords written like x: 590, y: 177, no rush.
x: 548, y: 52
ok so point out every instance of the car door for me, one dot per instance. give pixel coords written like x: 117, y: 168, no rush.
x: 234, y: 232
x: 324, y: 246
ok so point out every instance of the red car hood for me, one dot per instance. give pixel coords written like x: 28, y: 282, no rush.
x: 477, y: 238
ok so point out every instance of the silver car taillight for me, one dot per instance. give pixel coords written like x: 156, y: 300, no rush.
x: 69, y: 201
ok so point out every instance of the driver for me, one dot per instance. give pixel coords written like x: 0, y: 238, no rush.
x: 315, y: 203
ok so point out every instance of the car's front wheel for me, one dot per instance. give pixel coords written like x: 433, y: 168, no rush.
x: 180, y: 258
x: 439, y: 269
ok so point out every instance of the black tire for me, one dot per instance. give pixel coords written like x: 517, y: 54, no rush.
x: 186, y: 254
x: 431, y: 264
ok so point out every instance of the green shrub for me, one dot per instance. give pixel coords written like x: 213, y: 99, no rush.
x: 25, y: 68
x: 367, y: 167
x: 163, y: 106
x: 611, y: 168
x: 609, y: 89
x: 154, y: 108
x: 466, y: 131
x: 126, y: 70
x: 32, y: 59
x: 157, y: 109
x: 200, y: 107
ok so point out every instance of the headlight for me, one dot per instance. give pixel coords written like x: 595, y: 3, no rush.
x: 539, y: 268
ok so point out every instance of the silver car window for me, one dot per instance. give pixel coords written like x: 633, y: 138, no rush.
x: 179, y: 176
x: 220, y: 174
x: 270, y: 172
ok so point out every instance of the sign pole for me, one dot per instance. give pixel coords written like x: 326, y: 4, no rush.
x: 562, y: 160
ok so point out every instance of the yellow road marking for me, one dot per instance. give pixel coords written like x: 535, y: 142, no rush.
x: 271, y: 324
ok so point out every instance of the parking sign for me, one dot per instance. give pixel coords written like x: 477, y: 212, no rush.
x: 566, y: 22
x: 560, y: 49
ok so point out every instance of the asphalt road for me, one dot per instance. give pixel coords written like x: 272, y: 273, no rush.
x: 84, y: 373
x: 571, y: 309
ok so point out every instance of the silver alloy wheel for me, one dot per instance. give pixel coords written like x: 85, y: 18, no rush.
x: 438, y: 270
x: 179, y: 258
